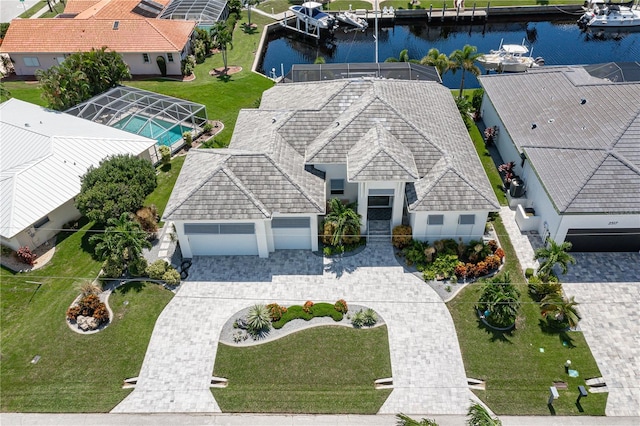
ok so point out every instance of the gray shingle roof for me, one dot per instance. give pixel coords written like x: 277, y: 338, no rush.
x: 576, y: 146
x: 379, y: 155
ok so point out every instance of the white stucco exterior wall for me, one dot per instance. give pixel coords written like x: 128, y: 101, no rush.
x: 450, y: 228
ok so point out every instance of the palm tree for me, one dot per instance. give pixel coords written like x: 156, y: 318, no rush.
x: 122, y: 238
x: 344, y: 221
x: 552, y: 255
x: 479, y: 416
x: 562, y: 309
x: 404, y: 420
x: 438, y: 60
x: 403, y: 57
x: 222, y: 39
x: 465, y: 59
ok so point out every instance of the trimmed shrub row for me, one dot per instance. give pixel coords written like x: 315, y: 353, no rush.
x: 316, y: 310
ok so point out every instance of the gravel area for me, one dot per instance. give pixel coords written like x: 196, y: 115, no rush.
x: 226, y: 335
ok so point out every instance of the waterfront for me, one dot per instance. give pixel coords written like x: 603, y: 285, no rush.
x: 558, y: 42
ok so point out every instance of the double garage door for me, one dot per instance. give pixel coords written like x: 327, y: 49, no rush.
x: 240, y: 238
x: 212, y: 239
x: 604, y: 240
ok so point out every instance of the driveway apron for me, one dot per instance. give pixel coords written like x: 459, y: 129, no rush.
x: 427, y: 368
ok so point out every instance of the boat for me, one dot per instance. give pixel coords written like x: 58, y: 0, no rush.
x: 311, y: 13
x: 610, y: 16
x: 349, y: 17
x: 509, y: 58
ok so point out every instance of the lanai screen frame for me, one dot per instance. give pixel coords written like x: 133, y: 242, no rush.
x: 202, y: 11
x: 122, y: 102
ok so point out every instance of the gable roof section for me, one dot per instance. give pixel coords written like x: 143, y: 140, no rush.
x: 379, y: 155
x: 585, y: 147
x: 81, y: 35
x: 41, y: 166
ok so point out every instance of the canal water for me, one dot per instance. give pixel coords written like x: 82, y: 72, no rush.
x: 558, y: 42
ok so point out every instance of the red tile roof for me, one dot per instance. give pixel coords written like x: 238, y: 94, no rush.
x: 74, y: 35
x: 107, y: 9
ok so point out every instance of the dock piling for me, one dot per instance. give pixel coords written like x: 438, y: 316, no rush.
x: 444, y: 9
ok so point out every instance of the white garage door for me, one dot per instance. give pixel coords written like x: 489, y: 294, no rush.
x: 291, y: 233
x: 212, y: 239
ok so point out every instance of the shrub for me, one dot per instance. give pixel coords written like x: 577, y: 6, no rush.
x: 443, y: 266
x: 147, y: 217
x: 493, y: 261
x: 461, y: 270
x: 472, y: 271
x: 317, y: 310
x: 101, y: 313
x: 171, y: 277
x: 156, y: 270
x: 500, y: 253
x: 414, y: 252
x: 138, y: 266
x: 6, y: 251
x: 307, y: 306
x: 88, y: 304
x: 370, y: 318
x: 162, y: 65
x: 88, y: 288
x: 341, y: 306
x: 528, y: 273
x: 165, y: 154
x: 276, y: 311
x: 73, y: 312
x: 188, y: 139
x: 113, y: 267
x: 493, y: 245
x: 482, y: 269
x: 258, y: 321
x: 401, y: 236
x: 500, y: 303
x: 358, y: 319
x: 539, y: 290
x: 327, y: 251
x: 187, y: 65
x: 326, y: 310
x: 25, y: 255
x: 207, y: 128
x: 327, y: 233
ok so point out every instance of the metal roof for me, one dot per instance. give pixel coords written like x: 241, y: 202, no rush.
x: 120, y: 105
x: 203, y: 11
x: 44, y: 153
x: 393, y: 70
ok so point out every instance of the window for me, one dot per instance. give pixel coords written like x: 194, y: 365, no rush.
x: 467, y: 219
x: 290, y: 222
x: 31, y: 61
x: 219, y: 228
x: 145, y: 57
x: 41, y: 222
x: 170, y: 57
x: 435, y: 219
x: 337, y: 186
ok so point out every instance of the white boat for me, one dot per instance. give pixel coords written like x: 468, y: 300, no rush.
x: 509, y: 58
x: 610, y: 16
x: 311, y: 13
x: 349, y: 17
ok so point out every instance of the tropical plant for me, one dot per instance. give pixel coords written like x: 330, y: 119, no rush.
x: 561, y: 309
x: 88, y: 288
x: 118, y: 185
x: 307, y: 306
x: 357, y: 320
x: 404, y: 420
x: 25, y: 255
x: 464, y: 108
x: 539, y: 289
x: 344, y: 222
x: 341, y: 306
x: 500, y: 301
x: 171, y: 277
x: 320, y: 60
x: 123, y: 238
x: 235, y: 7
x: 276, y: 311
x: 204, y: 37
x: 403, y: 57
x: 415, y: 252
x: 477, y: 415
x: 188, y: 65
x: 207, y: 128
x: 222, y: 39
x: 137, y: 267
x: 401, y: 236
x: 436, y: 59
x: 258, y: 321
x: 370, y: 317
x: 554, y: 254
x: 465, y: 59
x: 81, y: 76
x: 113, y: 267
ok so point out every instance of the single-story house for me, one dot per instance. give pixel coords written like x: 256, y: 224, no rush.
x: 35, y: 44
x: 575, y: 141
x: 398, y: 148
x: 44, y: 155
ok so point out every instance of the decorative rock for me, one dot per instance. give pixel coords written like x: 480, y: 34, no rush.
x: 87, y: 323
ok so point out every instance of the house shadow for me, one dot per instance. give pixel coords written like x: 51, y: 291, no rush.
x: 135, y: 286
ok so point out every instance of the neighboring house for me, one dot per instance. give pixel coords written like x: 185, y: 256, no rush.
x: 120, y: 25
x: 44, y: 155
x: 575, y: 140
x: 397, y: 148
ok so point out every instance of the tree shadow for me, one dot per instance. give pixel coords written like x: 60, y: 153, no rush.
x: 249, y: 29
x: 338, y: 266
x: 88, y: 246
x: 165, y: 168
x: 136, y: 286
x: 71, y: 228
x: 225, y: 78
x: 553, y: 327
x: 495, y: 335
x: 542, y: 2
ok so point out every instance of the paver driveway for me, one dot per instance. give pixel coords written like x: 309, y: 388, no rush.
x: 427, y: 367
x: 607, y: 286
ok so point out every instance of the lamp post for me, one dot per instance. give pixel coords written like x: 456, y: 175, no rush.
x: 375, y: 36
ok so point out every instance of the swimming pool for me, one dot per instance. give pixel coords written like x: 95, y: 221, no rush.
x: 165, y: 132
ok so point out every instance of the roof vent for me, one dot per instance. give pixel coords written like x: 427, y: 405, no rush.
x: 551, y: 120
x: 583, y: 101
x: 273, y: 120
x: 27, y: 125
x: 533, y: 126
x: 116, y: 24
x: 337, y: 123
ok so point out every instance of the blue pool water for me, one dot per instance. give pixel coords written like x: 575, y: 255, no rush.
x: 165, y: 132
x: 558, y: 42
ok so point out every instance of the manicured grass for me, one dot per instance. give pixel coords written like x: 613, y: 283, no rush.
x: 317, y: 310
x: 76, y: 373
x: 277, y: 5
x: 517, y: 374
x: 33, y: 9
x: 28, y: 92
x: 487, y: 163
x: 344, y: 5
x: 319, y: 370
x: 167, y: 176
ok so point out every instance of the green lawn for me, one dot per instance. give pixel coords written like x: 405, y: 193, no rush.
x: 319, y: 370
x: 480, y: 4
x: 344, y: 5
x: 276, y: 6
x: 167, y: 176
x: 517, y: 374
x: 76, y: 373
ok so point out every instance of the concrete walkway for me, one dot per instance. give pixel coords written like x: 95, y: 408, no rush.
x: 427, y: 367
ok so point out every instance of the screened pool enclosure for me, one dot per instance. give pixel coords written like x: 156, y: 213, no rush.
x: 203, y: 11
x: 144, y: 113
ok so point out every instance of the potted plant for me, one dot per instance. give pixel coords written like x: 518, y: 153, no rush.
x: 508, y: 175
x: 489, y: 135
